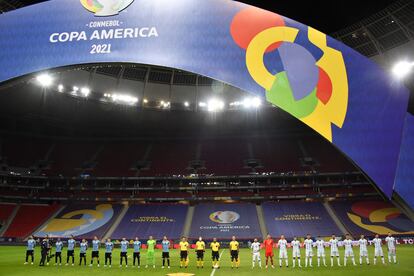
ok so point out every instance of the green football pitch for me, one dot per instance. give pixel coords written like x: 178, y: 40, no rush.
x: 12, y: 259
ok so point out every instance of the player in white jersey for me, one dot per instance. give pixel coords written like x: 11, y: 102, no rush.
x: 295, y: 251
x: 320, y: 253
x: 378, y: 249
x: 333, y: 243
x: 390, y: 240
x: 363, y: 251
x: 308, y: 250
x: 282, y: 245
x: 256, y: 253
x: 349, y: 252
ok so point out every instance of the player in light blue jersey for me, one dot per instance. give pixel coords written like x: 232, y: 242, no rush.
x: 109, y: 246
x: 31, y: 243
x: 124, y: 250
x: 82, y: 255
x: 58, y: 254
x: 137, y: 252
x: 95, y: 250
x: 71, y: 250
x: 165, y: 251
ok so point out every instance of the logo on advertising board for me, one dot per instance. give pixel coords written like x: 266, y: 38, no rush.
x: 224, y: 217
x: 106, y: 7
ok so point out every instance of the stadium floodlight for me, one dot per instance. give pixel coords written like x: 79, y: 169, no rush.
x: 61, y: 88
x: 215, y: 105
x: 252, y: 102
x: 186, y: 104
x: 202, y: 104
x: 402, y: 68
x: 126, y: 99
x: 85, y: 91
x: 44, y: 80
x: 75, y: 90
x: 145, y: 101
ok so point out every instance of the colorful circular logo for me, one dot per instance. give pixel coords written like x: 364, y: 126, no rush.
x: 224, y: 216
x: 304, y: 76
x: 105, y: 7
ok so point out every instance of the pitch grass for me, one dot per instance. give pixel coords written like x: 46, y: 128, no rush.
x: 12, y: 259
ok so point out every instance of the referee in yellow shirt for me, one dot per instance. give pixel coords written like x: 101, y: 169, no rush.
x: 234, y: 252
x: 215, y: 247
x: 184, y: 245
x: 200, y: 249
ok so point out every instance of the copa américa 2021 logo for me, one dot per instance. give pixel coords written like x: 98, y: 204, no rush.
x: 106, y: 7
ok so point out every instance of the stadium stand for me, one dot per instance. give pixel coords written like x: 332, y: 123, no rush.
x: 296, y: 218
x: 372, y: 216
x: 152, y: 219
x: 28, y: 218
x: 5, y: 212
x: 82, y: 221
x: 216, y: 220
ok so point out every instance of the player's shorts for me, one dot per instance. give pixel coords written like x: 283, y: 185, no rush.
x: 95, y: 254
x: 123, y: 254
x: 320, y: 253
x: 378, y: 252
x: 256, y: 256
x: 335, y: 253
x: 363, y: 253
x: 215, y: 255
x: 82, y: 255
x: 309, y: 253
x: 391, y: 251
x: 29, y: 252
x: 269, y: 253
x: 234, y: 254
x: 108, y: 255
x: 200, y: 254
x: 296, y: 253
x: 349, y: 253
x: 165, y: 255
x: 71, y: 253
x: 183, y: 255
x: 58, y: 254
x: 282, y: 254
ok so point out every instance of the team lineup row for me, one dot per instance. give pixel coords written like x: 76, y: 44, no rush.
x: 200, y: 248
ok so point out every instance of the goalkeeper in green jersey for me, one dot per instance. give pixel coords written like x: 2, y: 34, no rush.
x: 150, y: 251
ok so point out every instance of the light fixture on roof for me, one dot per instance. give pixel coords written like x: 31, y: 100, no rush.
x: 145, y: 101
x: 252, y: 102
x: 61, y: 88
x: 75, y: 90
x: 45, y: 80
x: 123, y: 98
x: 202, y: 104
x: 186, y: 104
x: 402, y: 69
x: 215, y: 105
x: 85, y: 91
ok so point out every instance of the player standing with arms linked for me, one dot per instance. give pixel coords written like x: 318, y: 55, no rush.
x: 333, y: 242
x: 82, y: 253
x: 256, y: 253
x: 295, y: 251
x: 165, y: 251
x: 184, y: 245
x: 390, y: 240
x: 137, y: 252
x: 234, y: 252
x: 308, y: 250
x: 215, y: 255
x: 151, y: 243
x: 282, y: 244
x: 124, y: 251
x: 349, y: 252
x: 95, y: 250
x: 200, y: 249
x: 363, y: 251
x: 268, y: 243
x: 378, y: 249
x: 109, y: 246
x: 320, y: 251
